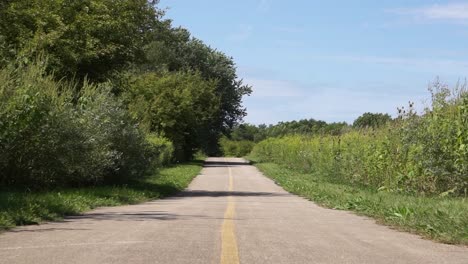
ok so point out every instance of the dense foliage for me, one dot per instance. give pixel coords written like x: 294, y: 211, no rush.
x: 89, y: 38
x: 371, y: 120
x: 236, y: 148
x: 50, y: 135
x: 243, y: 137
x: 175, y: 50
x: 415, y: 154
x: 178, y: 106
x: 101, y: 91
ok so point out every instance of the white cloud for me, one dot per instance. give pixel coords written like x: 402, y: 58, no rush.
x: 283, y: 100
x: 329, y: 104
x: 457, y: 12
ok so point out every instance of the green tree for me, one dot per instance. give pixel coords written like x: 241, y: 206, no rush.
x: 371, y: 120
x: 175, y: 50
x: 177, y: 105
x: 90, y: 38
x: 244, y: 132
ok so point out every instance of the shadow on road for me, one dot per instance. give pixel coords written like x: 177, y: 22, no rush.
x: 126, y: 216
x: 213, y: 164
x: 202, y: 193
x: 39, y: 230
x: 139, y: 216
x: 165, y: 216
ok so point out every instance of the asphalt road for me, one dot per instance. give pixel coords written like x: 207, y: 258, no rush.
x: 229, y: 214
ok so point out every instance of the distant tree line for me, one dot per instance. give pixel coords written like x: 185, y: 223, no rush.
x: 258, y: 133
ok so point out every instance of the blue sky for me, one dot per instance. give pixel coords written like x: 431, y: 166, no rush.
x: 332, y: 60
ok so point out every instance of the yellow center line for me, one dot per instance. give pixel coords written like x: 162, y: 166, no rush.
x: 229, y: 251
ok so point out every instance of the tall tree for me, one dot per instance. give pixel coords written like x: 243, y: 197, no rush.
x: 176, y: 105
x: 175, y: 50
x: 82, y: 38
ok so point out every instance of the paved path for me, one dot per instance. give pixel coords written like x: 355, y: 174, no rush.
x: 230, y: 214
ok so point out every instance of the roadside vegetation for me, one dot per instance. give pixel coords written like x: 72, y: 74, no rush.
x: 411, y: 172
x: 97, y: 97
x: 235, y: 148
x: 97, y: 92
x: 423, y: 154
x: 243, y: 137
x: 440, y: 218
x: 23, y: 207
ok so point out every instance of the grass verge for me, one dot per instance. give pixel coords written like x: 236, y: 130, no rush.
x: 23, y: 208
x: 443, y: 219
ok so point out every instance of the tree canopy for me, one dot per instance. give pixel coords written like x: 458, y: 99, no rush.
x: 157, y: 90
x: 176, y: 50
x: 91, y: 38
x: 177, y: 105
x: 371, y: 120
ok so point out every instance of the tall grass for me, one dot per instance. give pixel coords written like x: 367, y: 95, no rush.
x: 418, y: 154
x: 440, y: 218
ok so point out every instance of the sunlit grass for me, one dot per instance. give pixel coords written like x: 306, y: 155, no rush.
x: 22, y: 207
x: 443, y: 219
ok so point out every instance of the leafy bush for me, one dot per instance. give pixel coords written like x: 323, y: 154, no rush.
x: 51, y: 135
x: 161, y: 149
x: 236, y: 148
x: 425, y: 153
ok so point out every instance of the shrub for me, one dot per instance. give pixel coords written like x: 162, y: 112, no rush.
x: 161, y: 149
x: 236, y: 148
x: 51, y: 135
